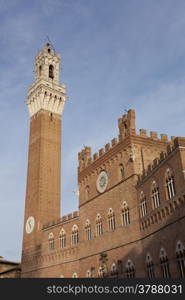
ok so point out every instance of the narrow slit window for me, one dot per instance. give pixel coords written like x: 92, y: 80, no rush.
x: 51, y: 71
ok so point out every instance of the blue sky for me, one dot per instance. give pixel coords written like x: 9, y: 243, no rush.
x: 116, y: 54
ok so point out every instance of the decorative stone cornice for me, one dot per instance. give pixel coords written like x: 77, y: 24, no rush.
x: 50, y: 97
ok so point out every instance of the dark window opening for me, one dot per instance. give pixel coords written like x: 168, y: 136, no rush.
x: 51, y: 71
x: 40, y: 70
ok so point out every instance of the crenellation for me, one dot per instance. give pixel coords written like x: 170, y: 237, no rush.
x: 143, y: 132
x: 179, y: 141
x: 62, y: 220
x: 84, y: 157
x: 95, y: 156
x: 127, y: 127
x: 126, y: 124
x: 162, y: 156
x: 69, y: 216
x: 107, y: 147
x: 173, y: 138
x: 89, y: 161
x: 154, y: 135
x: 101, y: 152
x: 114, y: 142
x: 156, y: 161
x: 164, y: 137
x: 75, y: 214
x: 169, y: 148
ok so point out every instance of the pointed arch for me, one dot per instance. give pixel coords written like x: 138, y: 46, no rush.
x: 169, y: 182
x: 100, y: 272
x: 114, y: 269
x: 142, y: 205
x: 88, y: 274
x: 62, y: 238
x: 121, y: 172
x: 180, y: 256
x: 111, y: 220
x: 51, y: 242
x: 88, y: 230
x: 74, y: 235
x: 130, y: 270
x: 125, y: 212
x: 99, y: 225
x: 150, y: 266
x: 155, y: 195
x: 164, y: 263
x: 51, y: 71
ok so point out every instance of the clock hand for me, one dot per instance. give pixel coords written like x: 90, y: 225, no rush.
x: 29, y: 223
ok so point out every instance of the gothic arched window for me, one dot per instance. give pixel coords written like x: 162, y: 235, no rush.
x: 169, y: 178
x: 121, y: 172
x: 155, y: 195
x: 150, y: 266
x: 75, y: 275
x: 100, y: 272
x: 51, y: 242
x: 99, y: 226
x: 125, y: 212
x: 74, y: 236
x: 114, y: 270
x: 88, y: 274
x: 51, y: 71
x: 180, y: 254
x: 142, y: 205
x: 130, y: 270
x: 62, y: 238
x: 164, y: 264
x: 87, y: 192
x: 111, y: 220
x: 88, y: 230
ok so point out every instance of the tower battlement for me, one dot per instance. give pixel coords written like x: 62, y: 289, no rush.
x: 127, y: 128
x: 127, y: 124
x: 46, y: 92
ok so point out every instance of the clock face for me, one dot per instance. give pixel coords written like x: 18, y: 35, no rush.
x: 102, y: 182
x: 30, y: 223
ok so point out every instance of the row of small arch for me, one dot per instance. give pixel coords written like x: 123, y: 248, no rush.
x: 87, y: 223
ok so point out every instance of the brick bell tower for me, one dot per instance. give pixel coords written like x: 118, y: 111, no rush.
x: 45, y: 101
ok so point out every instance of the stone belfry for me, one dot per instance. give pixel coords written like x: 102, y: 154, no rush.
x: 45, y: 101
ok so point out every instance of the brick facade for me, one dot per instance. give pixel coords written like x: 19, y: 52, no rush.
x: 130, y: 222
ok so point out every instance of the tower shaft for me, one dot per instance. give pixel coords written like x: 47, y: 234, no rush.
x: 45, y: 101
x: 43, y: 178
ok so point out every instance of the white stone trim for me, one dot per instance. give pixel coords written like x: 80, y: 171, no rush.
x: 44, y: 97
